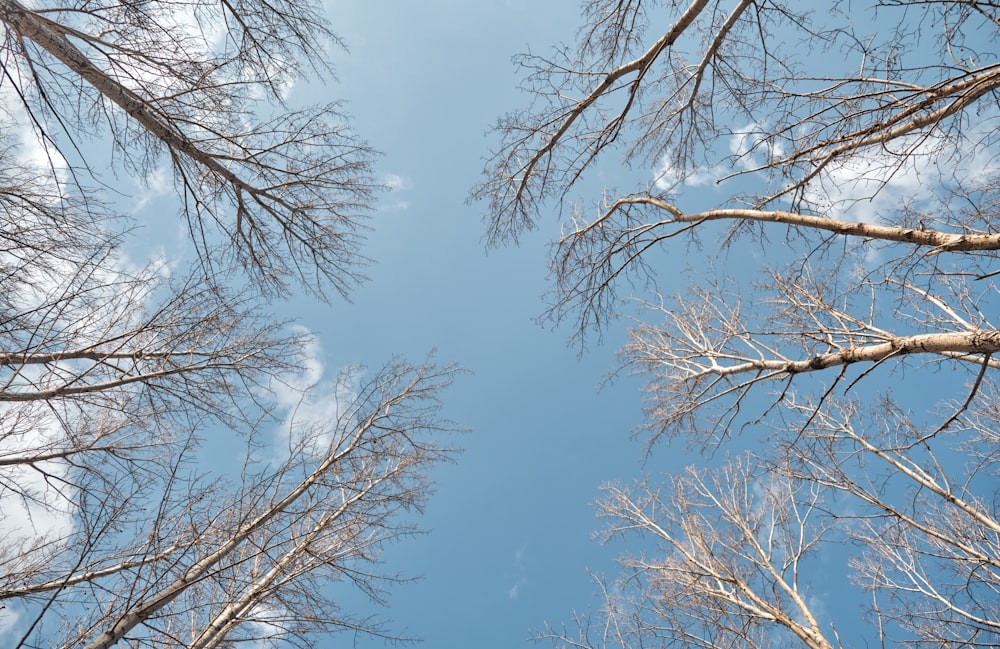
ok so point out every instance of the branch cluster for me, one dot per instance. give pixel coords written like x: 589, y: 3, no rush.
x: 113, y: 373
x: 842, y: 160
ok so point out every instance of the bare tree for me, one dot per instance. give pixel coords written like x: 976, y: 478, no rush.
x: 200, y: 86
x: 113, y: 372
x: 736, y: 548
x: 254, y: 560
x: 749, y: 554
x: 854, y: 147
x: 931, y: 557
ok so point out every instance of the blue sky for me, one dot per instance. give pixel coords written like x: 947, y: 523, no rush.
x: 510, y: 529
x: 509, y: 542
x: 511, y: 522
x: 510, y: 525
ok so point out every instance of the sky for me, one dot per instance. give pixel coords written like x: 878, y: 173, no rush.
x: 509, y: 542
x: 511, y: 523
x: 509, y: 530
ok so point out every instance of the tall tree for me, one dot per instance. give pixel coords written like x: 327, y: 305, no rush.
x: 112, y: 372
x: 854, y: 148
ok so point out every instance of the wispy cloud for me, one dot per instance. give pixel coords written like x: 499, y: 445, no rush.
x: 517, y: 574
x: 265, y: 624
x: 311, y: 401
x: 668, y: 176
x: 41, y: 504
x: 8, y: 623
x: 746, y: 144
x: 154, y: 186
x: 396, y: 183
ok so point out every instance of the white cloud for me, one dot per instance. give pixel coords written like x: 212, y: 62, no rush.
x: 517, y: 574
x: 744, y: 143
x: 859, y: 187
x: 310, y: 402
x: 8, y: 621
x: 37, y: 504
x: 289, y: 390
x: 397, y: 183
x: 34, y: 153
x: 153, y: 187
x: 37, y: 500
x: 914, y: 172
x: 668, y: 176
x: 264, y: 620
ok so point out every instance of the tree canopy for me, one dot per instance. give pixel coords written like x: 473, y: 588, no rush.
x: 843, y: 161
x: 113, y: 370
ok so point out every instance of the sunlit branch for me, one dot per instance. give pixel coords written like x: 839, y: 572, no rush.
x: 938, y: 241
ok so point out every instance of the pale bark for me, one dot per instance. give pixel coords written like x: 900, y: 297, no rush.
x: 110, y: 376
x: 843, y: 250
x: 289, y: 194
x: 938, y: 241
